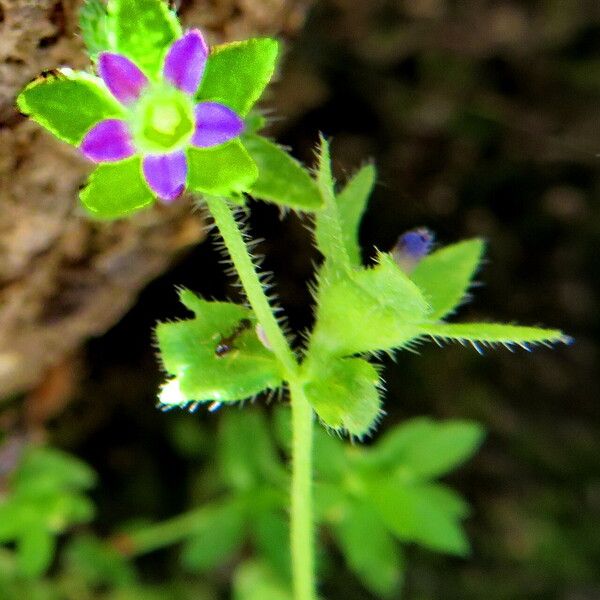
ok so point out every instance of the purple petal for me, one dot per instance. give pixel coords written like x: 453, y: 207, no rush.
x: 185, y: 61
x: 215, y: 124
x: 108, y: 141
x: 166, y: 174
x: 122, y: 77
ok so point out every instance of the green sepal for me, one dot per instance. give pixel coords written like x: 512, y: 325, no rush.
x: 370, y: 550
x: 236, y: 74
x: 116, y: 190
x: 351, y: 204
x: 225, y: 170
x: 68, y: 103
x: 490, y: 334
x: 368, y: 310
x: 422, y: 449
x: 189, y: 353
x: 426, y: 513
x: 143, y: 30
x: 445, y: 275
x: 344, y: 393
x: 94, y: 26
x: 281, y: 178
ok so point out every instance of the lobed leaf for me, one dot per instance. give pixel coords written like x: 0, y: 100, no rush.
x: 351, y: 205
x: 370, y: 550
x: 281, y: 178
x: 345, y: 396
x: 420, y: 513
x: 68, y: 103
x: 493, y: 333
x: 116, y: 190
x: 225, y: 170
x: 143, y: 30
x: 368, y: 310
x: 236, y: 74
x: 271, y: 535
x: 188, y: 351
x: 445, y: 275
x: 423, y: 449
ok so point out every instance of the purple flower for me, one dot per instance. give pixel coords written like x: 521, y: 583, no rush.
x: 411, y: 247
x: 162, y: 117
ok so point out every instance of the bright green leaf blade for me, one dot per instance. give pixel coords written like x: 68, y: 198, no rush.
x: 345, y: 395
x: 224, y: 170
x: 368, y: 310
x: 189, y: 352
x: 370, y: 551
x: 143, y: 31
x: 35, y: 551
x: 423, y: 449
x: 445, y: 275
x: 351, y: 204
x: 272, y: 539
x: 489, y: 334
x: 419, y: 513
x: 115, y: 190
x: 328, y: 230
x: 256, y: 581
x: 281, y: 178
x: 236, y: 74
x: 218, y: 537
x: 247, y: 456
x: 68, y: 103
x: 94, y: 24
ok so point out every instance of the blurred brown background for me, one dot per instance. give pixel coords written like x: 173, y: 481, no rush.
x: 484, y: 120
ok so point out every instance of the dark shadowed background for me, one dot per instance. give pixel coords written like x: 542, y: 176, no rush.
x: 484, y: 120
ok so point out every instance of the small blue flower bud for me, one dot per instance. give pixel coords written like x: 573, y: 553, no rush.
x: 411, y: 247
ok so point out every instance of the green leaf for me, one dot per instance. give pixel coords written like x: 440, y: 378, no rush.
x: 328, y: 230
x: 68, y: 103
x: 35, y: 551
x: 345, y: 396
x: 420, y: 513
x: 329, y: 456
x: 281, y: 178
x: 224, y: 170
x: 115, y: 190
x: 217, y: 539
x: 351, y: 203
x: 143, y: 31
x: 424, y: 449
x: 368, y: 310
x: 444, y: 276
x: 236, y: 74
x: 272, y: 539
x: 247, y: 456
x: 489, y: 334
x: 189, y: 352
x: 93, y: 23
x: 370, y: 551
x: 256, y: 581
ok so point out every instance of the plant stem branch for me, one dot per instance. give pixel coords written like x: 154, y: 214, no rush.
x: 302, y: 538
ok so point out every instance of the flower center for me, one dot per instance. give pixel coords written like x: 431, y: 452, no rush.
x: 163, y: 121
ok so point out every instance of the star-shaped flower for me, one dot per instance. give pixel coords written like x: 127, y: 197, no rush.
x: 162, y: 119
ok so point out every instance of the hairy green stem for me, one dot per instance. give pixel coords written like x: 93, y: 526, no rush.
x: 302, y: 538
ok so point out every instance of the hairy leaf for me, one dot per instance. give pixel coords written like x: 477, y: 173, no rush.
x: 236, y: 74
x: 351, y: 204
x: 281, y: 178
x: 68, y: 103
x: 345, y: 396
x: 445, y: 275
x: 216, y: 356
x: 94, y: 26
